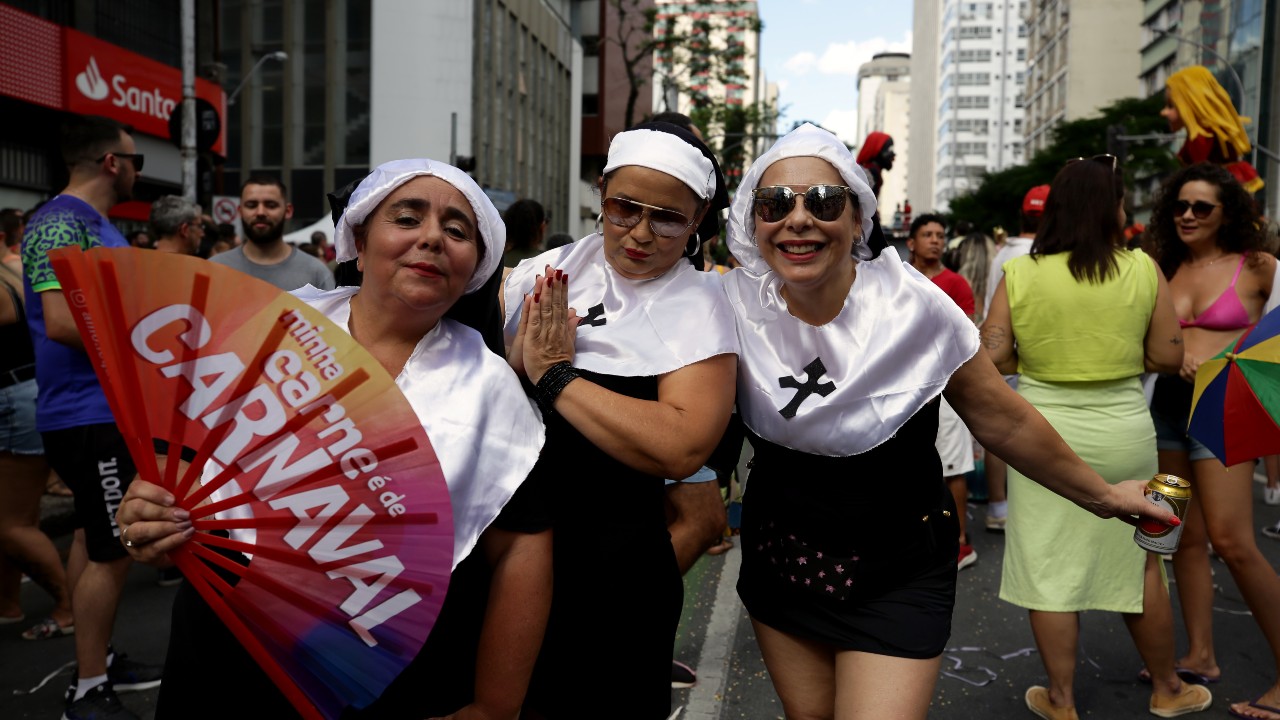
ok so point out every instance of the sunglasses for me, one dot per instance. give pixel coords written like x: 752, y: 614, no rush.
x: 134, y: 158
x: 824, y: 202
x: 628, y: 213
x: 1200, y: 209
x: 1104, y: 159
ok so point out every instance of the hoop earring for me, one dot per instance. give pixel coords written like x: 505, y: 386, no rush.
x: 600, y: 222
x: 690, y: 250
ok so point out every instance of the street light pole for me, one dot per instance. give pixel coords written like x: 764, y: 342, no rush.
x: 277, y: 55
x: 188, y: 134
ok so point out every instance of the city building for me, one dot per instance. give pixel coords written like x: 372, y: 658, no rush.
x: 979, y: 107
x: 603, y: 27
x: 115, y: 58
x: 1082, y: 57
x: 1162, y: 54
x: 708, y: 69
x: 487, y: 84
x: 923, y: 122
x: 884, y: 105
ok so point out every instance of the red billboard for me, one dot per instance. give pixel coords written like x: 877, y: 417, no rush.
x: 103, y: 79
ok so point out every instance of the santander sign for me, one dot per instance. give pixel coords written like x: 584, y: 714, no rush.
x: 134, y: 89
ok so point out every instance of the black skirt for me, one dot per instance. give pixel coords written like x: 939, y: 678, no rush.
x: 854, y: 552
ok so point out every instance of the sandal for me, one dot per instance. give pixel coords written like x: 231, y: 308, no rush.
x: 1256, y: 705
x: 1186, y: 675
x: 46, y: 629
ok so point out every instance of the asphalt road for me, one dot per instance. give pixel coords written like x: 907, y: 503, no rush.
x: 991, y: 642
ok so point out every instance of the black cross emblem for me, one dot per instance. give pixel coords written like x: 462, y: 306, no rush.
x: 810, y: 386
x: 595, y: 317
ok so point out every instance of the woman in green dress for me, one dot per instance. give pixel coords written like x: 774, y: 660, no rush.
x: 1087, y: 317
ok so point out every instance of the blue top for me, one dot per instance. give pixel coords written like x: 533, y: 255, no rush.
x: 69, y: 395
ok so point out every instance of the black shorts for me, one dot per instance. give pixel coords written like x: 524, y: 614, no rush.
x: 94, y: 462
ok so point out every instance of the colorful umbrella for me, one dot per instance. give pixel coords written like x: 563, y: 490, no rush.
x: 1235, y: 411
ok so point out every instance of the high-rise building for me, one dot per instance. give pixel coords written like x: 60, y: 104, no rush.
x: 691, y: 69
x: 1162, y: 53
x: 884, y: 105
x: 923, y: 122
x: 1082, y: 58
x: 982, y: 57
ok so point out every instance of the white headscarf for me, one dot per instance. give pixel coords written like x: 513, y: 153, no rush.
x: 664, y: 152
x: 805, y: 141
x: 390, y: 175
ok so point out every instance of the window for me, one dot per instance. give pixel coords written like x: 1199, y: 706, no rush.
x: 975, y: 32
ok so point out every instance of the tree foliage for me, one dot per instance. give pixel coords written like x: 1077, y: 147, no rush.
x: 998, y: 200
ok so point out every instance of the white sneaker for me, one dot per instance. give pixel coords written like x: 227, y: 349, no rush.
x: 1271, y: 495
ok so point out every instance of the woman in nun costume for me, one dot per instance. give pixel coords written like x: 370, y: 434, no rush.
x: 407, y: 215
x: 630, y: 352
x: 848, y: 532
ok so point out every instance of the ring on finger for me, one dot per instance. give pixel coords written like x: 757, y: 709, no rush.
x: 124, y: 537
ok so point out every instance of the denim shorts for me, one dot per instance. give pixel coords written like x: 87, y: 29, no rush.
x: 1171, y: 434
x: 18, y: 420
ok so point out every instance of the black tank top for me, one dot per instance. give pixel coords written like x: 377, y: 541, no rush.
x: 15, y: 342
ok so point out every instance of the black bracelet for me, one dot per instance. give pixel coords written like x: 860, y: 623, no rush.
x: 552, y: 382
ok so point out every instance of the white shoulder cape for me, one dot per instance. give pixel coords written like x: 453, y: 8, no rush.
x: 845, y: 387
x: 631, y: 328
x: 484, y: 430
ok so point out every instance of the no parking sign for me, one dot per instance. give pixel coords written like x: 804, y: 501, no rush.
x: 226, y: 209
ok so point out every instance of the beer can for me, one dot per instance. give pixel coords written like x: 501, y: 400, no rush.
x: 1173, y: 494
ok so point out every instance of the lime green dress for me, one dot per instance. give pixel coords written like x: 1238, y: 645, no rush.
x: 1080, y: 352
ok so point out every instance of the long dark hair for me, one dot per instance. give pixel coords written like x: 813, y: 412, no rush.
x: 1080, y: 218
x: 1240, y: 232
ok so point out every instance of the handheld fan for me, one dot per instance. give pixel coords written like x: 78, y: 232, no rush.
x: 290, y: 445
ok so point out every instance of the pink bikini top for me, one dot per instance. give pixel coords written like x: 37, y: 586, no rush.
x: 1226, y: 313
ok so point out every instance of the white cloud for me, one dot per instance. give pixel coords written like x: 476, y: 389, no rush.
x: 844, y: 123
x: 800, y: 63
x: 783, y: 84
x: 846, y: 58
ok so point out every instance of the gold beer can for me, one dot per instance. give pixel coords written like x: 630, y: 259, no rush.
x: 1173, y: 494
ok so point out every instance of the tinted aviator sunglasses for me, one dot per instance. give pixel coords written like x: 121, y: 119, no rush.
x: 628, y: 213
x: 1200, y: 209
x: 824, y: 202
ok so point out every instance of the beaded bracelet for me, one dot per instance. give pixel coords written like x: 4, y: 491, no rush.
x: 552, y: 382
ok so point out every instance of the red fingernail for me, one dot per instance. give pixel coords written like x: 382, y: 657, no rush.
x: 564, y: 279
x: 1174, y: 521
x: 536, y: 296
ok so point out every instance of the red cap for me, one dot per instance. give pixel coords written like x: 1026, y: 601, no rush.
x: 1033, y: 201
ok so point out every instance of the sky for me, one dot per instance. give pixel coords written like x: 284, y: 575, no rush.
x: 813, y: 48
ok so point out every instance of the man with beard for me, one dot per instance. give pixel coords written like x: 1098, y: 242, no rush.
x: 79, y: 433
x: 264, y: 208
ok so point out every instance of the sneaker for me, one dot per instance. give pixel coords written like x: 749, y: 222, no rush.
x: 1038, y: 702
x: 995, y: 523
x: 1271, y: 495
x: 1272, y: 532
x: 682, y: 676
x: 168, y: 577
x: 1193, y: 698
x: 130, y: 676
x: 100, y: 703
x: 968, y: 556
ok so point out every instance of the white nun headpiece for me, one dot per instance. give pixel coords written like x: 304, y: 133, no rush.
x: 664, y: 152
x: 805, y: 141
x: 390, y: 175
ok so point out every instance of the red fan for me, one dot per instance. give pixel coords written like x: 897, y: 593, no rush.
x: 300, y: 448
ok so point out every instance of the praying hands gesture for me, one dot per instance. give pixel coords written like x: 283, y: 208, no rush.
x: 547, y: 327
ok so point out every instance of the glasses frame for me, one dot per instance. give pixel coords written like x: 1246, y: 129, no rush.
x: 847, y: 192
x: 646, y: 211
x: 1104, y: 158
x: 135, y: 159
x: 1186, y: 205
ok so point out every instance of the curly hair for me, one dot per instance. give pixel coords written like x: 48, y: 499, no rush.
x: 1241, y: 229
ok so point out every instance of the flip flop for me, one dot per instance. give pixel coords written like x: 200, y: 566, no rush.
x: 46, y: 629
x: 1256, y: 706
x: 12, y: 620
x: 1187, y: 675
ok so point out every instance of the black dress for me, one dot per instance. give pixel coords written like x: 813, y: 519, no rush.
x: 618, y: 591
x: 855, y: 552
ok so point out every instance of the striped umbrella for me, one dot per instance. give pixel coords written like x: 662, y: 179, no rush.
x: 1235, y: 410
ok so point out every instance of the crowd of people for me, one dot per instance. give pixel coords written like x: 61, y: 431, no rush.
x: 627, y: 366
